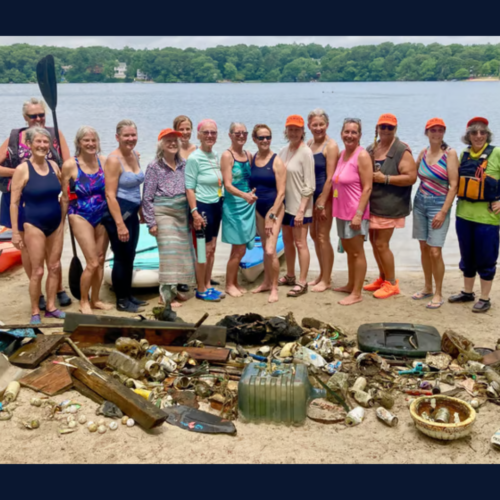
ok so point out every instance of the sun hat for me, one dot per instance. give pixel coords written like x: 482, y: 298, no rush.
x: 477, y: 119
x: 295, y: 120
x: 435, y: 122
x: 168, y: 131
x: 387, y: 119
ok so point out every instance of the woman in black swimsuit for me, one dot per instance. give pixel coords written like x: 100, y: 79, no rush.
x: 326, y: 154
x: 38, y: 181
x: 269, y: 178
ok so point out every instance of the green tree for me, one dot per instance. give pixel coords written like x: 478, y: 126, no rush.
x: 230, y: 71
x: 462, y: 74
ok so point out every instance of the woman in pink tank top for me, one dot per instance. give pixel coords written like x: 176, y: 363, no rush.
x: 352, y: 186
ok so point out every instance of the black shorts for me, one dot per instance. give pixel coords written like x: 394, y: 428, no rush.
x: 289, y: 220
x: 213, y: 214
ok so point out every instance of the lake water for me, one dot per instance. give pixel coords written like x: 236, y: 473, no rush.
x: 153, y: 107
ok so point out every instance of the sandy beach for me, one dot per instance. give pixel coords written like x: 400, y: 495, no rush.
x: 370, y: 442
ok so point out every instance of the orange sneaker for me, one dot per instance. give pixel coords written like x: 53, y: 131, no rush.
x: 387, y: 290
x: 376, y: 285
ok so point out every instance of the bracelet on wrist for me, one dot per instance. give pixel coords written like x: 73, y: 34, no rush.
x: 359, y: 212
x: 195, y: 209
x: 387, y: 179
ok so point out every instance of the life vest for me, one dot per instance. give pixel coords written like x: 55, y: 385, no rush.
x: 12, y: 160
x: 474, y: 184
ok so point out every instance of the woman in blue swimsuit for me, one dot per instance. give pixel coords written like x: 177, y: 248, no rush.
x: 84, y: 200
x: 326, y: 154
x: 268, y: 178
x: 37, y: 181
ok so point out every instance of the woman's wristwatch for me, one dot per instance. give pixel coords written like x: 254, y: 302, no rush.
x: 272, y: 216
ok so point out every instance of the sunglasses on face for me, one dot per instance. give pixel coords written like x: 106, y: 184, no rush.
x: 387, y: 127
x: 35, y: 116
x: 206, y: 133
x: 264, y: 138
x: 240, y: 134
x: 479, y: 132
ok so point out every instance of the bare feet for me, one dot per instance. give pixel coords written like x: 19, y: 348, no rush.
x: 315, y: 282
x: 85, y: 308
x: 321, y: 287
x: 242, y: 290
x: 175, y: 304
x: 343, y: 289
x: 273, y: 296
x: 351, y: 299
x: 103, y: 306
x: 262, y: 288
x: 233, y: 291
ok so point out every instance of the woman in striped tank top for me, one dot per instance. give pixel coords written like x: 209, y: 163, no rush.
x: 438, y: 174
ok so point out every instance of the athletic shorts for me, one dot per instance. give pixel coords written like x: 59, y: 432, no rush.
x: 345, y: 231
x: 213, y: 214
x: 377, y: 222
x: 289, y: 220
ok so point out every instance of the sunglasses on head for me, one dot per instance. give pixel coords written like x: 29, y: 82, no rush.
x: 264, y: 137
x: 480, y: 132
x: 35, y: 116
x: 354, y: 120
x: 240, y: 134
x: 387, y: 127
x: 206, y: 133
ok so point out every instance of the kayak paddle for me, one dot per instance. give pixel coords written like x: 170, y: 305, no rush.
x: 46, y: 76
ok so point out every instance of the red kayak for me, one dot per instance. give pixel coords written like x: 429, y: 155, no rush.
x: 9, y: 254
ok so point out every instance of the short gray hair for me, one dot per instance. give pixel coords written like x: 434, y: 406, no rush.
x: 159, y: 150
x: 124, y: 123
x: 321, y: 113
x: 32, y: 132
x: 33, y: 101
x: 234, y: 125
x: 303, y: 133
x: 81, y: 133
x: 473, y: 128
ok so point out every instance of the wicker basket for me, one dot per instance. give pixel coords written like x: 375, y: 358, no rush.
x: 436, y: 430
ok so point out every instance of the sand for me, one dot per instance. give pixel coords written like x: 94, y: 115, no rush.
x: 370, y: 442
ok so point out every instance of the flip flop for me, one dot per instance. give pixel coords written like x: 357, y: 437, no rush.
x: 434, y: 305
x: 421, y: 295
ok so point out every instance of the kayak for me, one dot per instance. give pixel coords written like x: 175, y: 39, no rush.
x: 9, y: 256
x: 252, y: 263
x: 146, y: 262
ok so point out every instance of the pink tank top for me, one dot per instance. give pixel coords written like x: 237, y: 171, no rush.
x: 346, y: 183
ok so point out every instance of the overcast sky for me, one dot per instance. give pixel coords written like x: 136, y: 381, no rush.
x: 202, y: 42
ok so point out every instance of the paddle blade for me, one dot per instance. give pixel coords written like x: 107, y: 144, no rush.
x: 46, y: 77
x: 75, y: 274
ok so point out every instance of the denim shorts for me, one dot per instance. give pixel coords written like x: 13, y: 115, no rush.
x: 424, y: 210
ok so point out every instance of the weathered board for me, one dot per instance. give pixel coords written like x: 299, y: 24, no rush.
x: 50, y: 378
x: 33, y: 353
x: 143, y: 412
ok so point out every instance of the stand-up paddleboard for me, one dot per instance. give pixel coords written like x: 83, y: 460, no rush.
x: 146, y: 263
x: 252, y: 263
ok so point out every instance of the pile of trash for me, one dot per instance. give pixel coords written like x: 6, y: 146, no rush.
x: 275, y: 370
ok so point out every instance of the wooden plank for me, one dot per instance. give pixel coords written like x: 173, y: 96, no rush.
x: 143, y: 412
x: 108, y: 334
x: 32, y: 354
x: 203, y: 353
x: 51, y: 379
x: 209, y: 334
x: 87, y: 392
x: 87, y: 349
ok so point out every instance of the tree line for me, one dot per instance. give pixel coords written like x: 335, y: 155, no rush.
x: 243, y: 63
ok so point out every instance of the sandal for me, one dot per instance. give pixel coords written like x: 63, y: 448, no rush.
x: 434, y: 305
x: 287, y: 281
x: 296, y: 293
x: 421, y: 295
x: 462, y: 297
x: 481, y: 306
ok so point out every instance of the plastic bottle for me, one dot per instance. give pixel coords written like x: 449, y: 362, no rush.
x: 125, y: 364
x: 279, y: 397
x: 11, y: 392
x: 201, y: 243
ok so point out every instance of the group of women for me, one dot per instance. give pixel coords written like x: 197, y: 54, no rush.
x: 189, y: 190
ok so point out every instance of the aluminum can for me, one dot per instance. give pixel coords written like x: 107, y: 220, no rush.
x: 387, y: 417
x: 355, y: 416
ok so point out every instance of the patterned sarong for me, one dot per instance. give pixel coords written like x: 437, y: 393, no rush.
x: 175, y: 245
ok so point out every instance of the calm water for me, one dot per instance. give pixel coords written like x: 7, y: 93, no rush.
x: 153, y: 107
